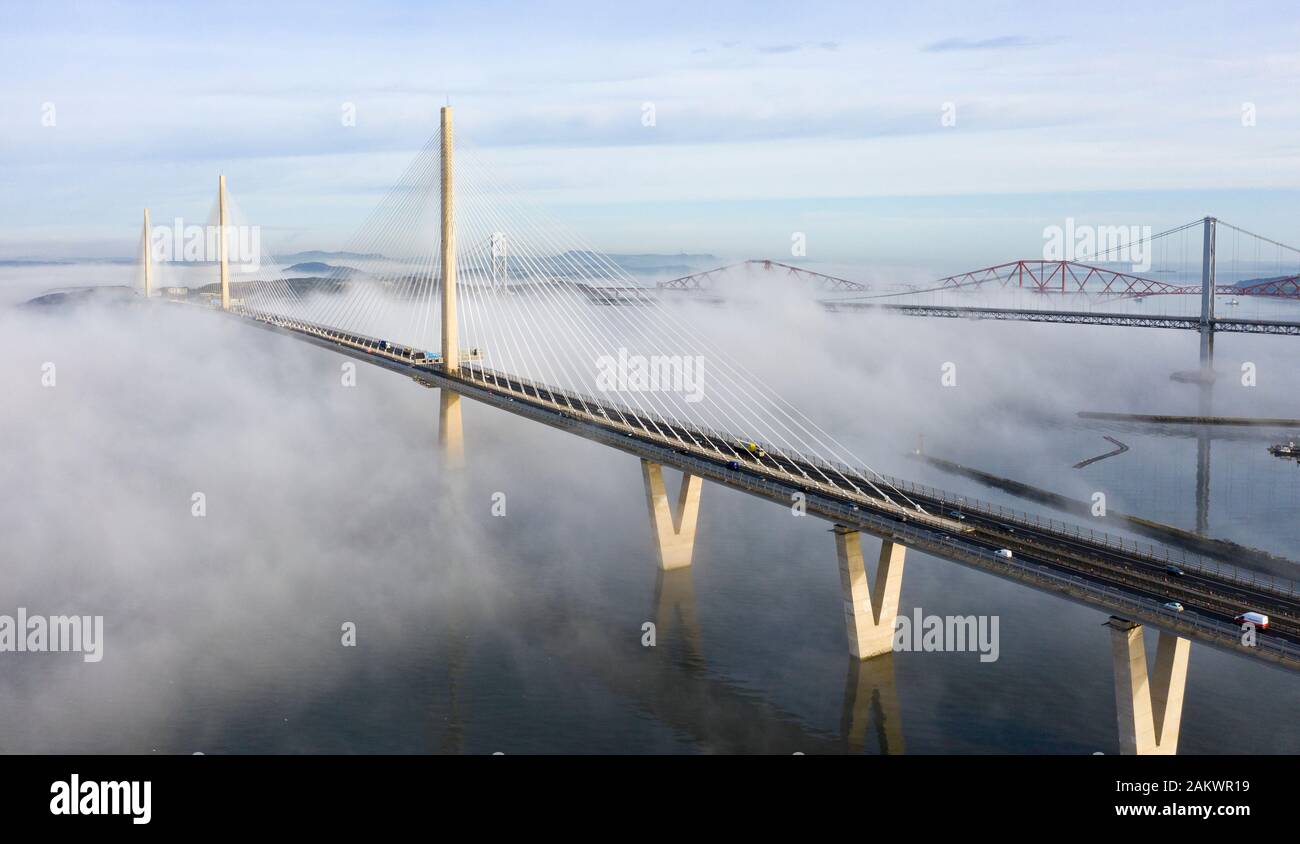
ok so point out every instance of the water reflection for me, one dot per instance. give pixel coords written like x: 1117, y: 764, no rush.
x: 871, y: 702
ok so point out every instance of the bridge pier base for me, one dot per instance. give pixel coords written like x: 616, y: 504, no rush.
x: 869, y: 613
x: 674, y: 530
x: 451, y: 435
x: 1149, y: 708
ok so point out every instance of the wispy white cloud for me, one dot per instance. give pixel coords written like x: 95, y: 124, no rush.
x: 999, y: 42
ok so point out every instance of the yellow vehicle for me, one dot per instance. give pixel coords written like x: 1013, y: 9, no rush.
x: 752, y: 448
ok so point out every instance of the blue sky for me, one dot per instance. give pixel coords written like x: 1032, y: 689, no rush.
x: 769, y: 118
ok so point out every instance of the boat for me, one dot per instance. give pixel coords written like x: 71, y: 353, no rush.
x: 1288, y: 450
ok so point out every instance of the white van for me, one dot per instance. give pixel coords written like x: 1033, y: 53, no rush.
x: 1256, y: 618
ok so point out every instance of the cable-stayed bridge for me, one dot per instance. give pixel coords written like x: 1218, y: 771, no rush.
x: 520, y: 319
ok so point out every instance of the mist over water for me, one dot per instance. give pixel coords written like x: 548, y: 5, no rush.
x: 475, y: 633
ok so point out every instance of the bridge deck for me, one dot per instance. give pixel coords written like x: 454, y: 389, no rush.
x: 1190, y: 323
x: 1108, y: 573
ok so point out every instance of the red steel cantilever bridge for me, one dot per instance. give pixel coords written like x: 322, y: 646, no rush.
x: 1079, y: 291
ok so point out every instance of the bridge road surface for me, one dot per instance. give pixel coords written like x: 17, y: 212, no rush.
x: 1190, y: 323
x: 1122, y: 581
x: 1146, y: 577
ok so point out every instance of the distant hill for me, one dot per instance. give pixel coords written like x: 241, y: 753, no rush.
x: 61, y: 262
x: 319, y: 255
x: 320, y: 268
x: 75, y: 295
x: 1249, y: 282
x: 320, y: 261
x: 645, y: 262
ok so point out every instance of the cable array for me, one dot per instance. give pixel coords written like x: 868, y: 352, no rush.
x: 538, y: 304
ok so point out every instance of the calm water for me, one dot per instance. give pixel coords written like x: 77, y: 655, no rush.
x: 522, y: 634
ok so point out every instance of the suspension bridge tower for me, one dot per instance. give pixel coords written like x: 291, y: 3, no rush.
x: 500, y: 260
x: 1207, y: 295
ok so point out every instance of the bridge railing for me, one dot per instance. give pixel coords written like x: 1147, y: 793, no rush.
x: 1114, y: 600
x: 1150, y: 552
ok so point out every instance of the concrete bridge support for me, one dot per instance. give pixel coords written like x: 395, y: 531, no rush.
x: 451, y: 436
x: 674, y: 530
x: 1149, y: 708
x: 869, y: 613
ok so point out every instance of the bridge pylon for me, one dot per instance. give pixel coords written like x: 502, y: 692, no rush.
x: 1149, y: 708
x: 869, y: 612
x: 221, y: 240
x: 674, y: 529
x: 147, y: 257
x: 450, y: 432
x: 450, y: 339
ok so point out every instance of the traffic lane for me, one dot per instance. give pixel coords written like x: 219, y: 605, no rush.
x: 1069, y: 566
x: 1217, y: 598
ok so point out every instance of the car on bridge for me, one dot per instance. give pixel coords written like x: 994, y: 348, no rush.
x: 1174, y: 570
x: 1256, y: 618
x: 1004, y: 553
x: 1173, y: 605
x: 752, y: 448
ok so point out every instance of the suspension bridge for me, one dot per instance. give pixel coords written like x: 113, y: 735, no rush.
x: 523, y: 323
